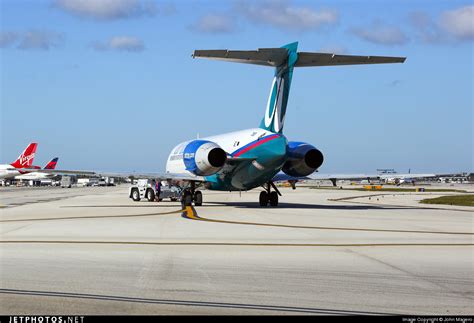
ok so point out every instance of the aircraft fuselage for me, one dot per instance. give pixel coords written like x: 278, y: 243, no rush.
x: 264, y: 152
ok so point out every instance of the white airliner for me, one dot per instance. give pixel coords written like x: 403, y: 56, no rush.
x: 404, y: 178
x: 23, y: 168
x: 23, y: 162
x: 36, y: 175
x: 251, y: 158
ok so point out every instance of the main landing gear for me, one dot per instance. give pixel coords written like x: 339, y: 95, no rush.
x: 268, y: 196
x: 190, y: 195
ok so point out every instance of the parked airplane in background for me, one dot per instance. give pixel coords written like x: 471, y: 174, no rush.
x: 404, y: 178
x: 24, y: 162
x: 39, y: 176
x: 23, y: 166
x: 251, y: 158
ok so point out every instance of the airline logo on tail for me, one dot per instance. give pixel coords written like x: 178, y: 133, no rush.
x: 26, y: 158
x: 278, y: 98
x: 274, y: 117
x: 52, y: 163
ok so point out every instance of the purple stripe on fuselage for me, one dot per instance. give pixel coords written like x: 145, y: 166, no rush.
x: 254, y: 144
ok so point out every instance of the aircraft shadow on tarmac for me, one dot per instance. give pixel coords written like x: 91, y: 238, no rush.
x: 118, y: 205
x: 286, y: 205
x: 255, y: 205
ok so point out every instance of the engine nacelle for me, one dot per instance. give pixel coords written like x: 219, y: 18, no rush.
x: 203, y: 157
x: 303, y: 159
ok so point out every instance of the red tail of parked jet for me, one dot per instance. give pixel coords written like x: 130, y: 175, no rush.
x: 25, y: 160
x: 52, y: 163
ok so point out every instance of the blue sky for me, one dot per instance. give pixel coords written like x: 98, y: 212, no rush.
x: 111, y: 85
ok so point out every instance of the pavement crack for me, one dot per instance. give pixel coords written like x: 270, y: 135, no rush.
x: 15, y: 229
x: 423, y: 278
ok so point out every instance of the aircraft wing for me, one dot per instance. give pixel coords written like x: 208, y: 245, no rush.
x: 159, y: 176
x: 235, y: 162
x: 283, y: 177
x: 353, y: 177
x: 55, y: 171
x: 230, y: 165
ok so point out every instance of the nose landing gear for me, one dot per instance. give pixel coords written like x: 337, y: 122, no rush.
x: 268, y: 196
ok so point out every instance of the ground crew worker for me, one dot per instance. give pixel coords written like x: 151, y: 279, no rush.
x: 158, y: 189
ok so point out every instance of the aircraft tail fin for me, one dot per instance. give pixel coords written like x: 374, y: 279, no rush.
x: 285, y: 59
x: 52, y: 163
x: 25, y: 160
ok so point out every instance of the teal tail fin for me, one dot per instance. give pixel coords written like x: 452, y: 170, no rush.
x: 278, y: 99
x: 284, y: 59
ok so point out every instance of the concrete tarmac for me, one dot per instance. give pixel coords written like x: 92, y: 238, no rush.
x: 94, y: 251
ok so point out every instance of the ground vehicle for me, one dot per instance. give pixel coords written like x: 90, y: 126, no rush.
x: 88, y: 181
x: 109, y: 181
x: 67, y: 181
x: 171, y: 192
x: 145, y: 188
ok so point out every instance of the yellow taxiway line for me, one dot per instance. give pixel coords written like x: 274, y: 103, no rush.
x: 191, y: 213
x: 93, y: 217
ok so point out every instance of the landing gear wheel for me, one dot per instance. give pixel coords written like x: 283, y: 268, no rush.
x: 273, y: 197
x: 198, y: 198
x: 187, y: 199
x: 263, y: 199
x: 135, y: 195
x: 150, y: 195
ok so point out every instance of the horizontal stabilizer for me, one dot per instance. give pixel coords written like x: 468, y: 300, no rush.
x: 278, y: 56
x: 263, y: 56
x: 323, y: 59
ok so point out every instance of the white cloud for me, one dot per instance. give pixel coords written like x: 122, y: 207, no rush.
x: 215, y: 23
x: 31, y: 40
x: 334, y: 49
x: 278, y: 13
x: 7, y: 38
x: 459, y: 22
x: 451, y: 25
x: 42, y: 40
x: 425, y: 28
x: 381, y: 34
x: 107, y: 9
x: 120, y: 43
x: 283, y: 15
x: 166, y: 8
